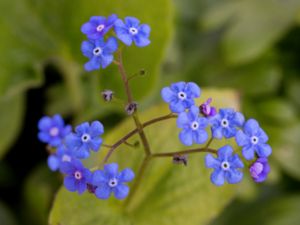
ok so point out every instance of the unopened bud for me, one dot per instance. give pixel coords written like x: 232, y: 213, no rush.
x: 131, y: 108
x: 180, y: 159
x: 107, y: 95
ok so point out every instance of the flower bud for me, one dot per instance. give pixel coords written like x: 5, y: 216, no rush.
x: 107, y: 95
x: 131, y: 108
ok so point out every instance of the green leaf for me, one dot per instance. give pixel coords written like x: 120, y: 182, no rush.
x: 11, y: 116
x: 283, y: 210
x: 168, y: 194
x: 251, y: 26
x: 6, y: 216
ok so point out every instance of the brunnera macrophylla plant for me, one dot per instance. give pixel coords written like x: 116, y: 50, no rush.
x: 69, y: 148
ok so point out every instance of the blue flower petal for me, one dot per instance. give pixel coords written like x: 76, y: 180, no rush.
x: 141, y: 41
x: 186, y: 137
x: 81, y: 187
x: 200, y: 136
x: 111, y: 169
x: 70, y: 183
x: 264, y: 150
x: 72, y: 141
x: 177, y: 107
x: 53, y: 162
x: 111, y: 46
x: 248, y: 152
x: 145, y: 29
x: 106, y: 60
x: 194, y: 89
x: 93, y: 64
x: 211, y: 162
x: 58, y: 121
x: 241, y: 139
x: 229, y: 132
x: 121, y: 191
x: 263, y: 137
x: 82, y: 152
x: 167, y: 94
x: 96, y: 20
x: 87, y: 48
x: 217, y: 177
x: 131, y: 22
x: 83, y: 128
x: 99, y: 177
x: 44, y: 137
x: 183, y: 120
x: 103, y: 191
x: 45, y: 123
x: 236, y: 162
x: 251, y: 127
x: 217, y: 132
x: 238, y: 119
x: 126, y: 175
x: 67, y: 168
x: 88, y: 28
x: 179, y: 86
x: 225, y: 152
x: 233, y: 176
x: 95, y: 144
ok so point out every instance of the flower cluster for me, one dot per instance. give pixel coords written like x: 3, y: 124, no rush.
x: 67, y: 151
x: 101, y: 46
x: 194, y: 120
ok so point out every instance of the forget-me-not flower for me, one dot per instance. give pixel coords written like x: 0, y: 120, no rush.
x: 132, y: 31
x: 253, y: 140
x: 98, y: 26
x: 193, y: 127
x: 86, y: 138
x: 180, y: 95
x: 110, y: 180
x: 63, y: 154
x: 226, y: 166
x: 99, y: 52
x: 53, y: 130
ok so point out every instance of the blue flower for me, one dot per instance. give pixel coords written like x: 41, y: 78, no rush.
x: 110, y: 180
x: 193, y: 127
x: 99, y: 52
x: 53, y: 130
x: 131, y: 30
x: 86, y: 138
x: 61, y: 155
x: 77, y: 176
x: 260, y: 169
x: 180, y: 96
x: 253, y: 140
x: 98, y: 26
x: 225, y: 123
x: 226, y: 166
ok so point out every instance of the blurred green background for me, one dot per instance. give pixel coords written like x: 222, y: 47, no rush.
x: 249, y: 46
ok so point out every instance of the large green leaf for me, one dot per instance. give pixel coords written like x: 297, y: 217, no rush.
x: 253, y: 25
x: 169, y: 194
x: 11, y: 116
x: 36, y: 32
x: 6, y: 216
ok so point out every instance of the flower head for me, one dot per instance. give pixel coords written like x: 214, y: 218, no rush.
x: 53, y: 130
x: 226, y: 166
x: 99, y: 52
x: 260, y: 169
x: 207, y: 110
x: 77, y: 176
x: 253, y: 140
x: 98, y: 26
x: 180, y: 96
x: 193, y: 127
x: 110, y: 180
x: 62, y: 154
x: 225, y: 123
x: 132, y: 31
x: 86, y: 138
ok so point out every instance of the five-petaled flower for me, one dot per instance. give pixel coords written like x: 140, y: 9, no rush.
x: 98, y: 26
x: 260, y: 169
x: 225, y: 123
x: 53, y: 130
x: 193, y: 127
x: 110, y: 180
x: 180, y: 95
x: 99, y: 52
x: 253, y: 140
x: 77, y: 176
x: 226, y: 166
x: 86, y: 138
x: 132, y: 31
x: 63, y: 154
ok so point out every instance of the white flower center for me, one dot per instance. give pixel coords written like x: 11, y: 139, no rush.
x: 100, y: 27
x: 133, y: 30
x: 77, y: 175
x: 195, y: 125
x: 85, y: 138
x: 97, y: 51
x: 225, y: 165
x: 113, y: 182
x: 254, y: 140
x: 54, y: 131
x: 66, y: 158
x: 224, y: 123
x: 181, y: 95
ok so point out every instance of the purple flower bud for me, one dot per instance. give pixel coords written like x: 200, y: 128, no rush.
x: 131, y: 108
x: 260, y: 169
x: 107, y: 95
x: 180, y: 159
x: 207, y: 110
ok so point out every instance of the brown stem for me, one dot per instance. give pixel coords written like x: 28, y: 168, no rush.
x: 131, y: 133
x: 188, y: 151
